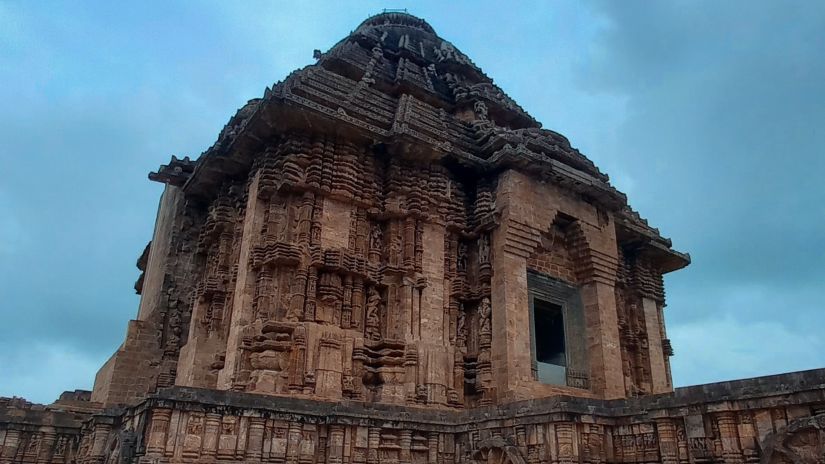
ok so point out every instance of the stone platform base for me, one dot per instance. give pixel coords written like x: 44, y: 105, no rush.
x: 768, y: 419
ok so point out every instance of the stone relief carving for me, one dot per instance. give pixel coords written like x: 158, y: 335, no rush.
x: 802, y: 441
x: 497, y: 451
x: 485, y: 317
x: 373, y: 319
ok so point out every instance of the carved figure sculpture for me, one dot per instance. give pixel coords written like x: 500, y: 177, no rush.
x: 373, y: 322
x: 174, y: 331
x: 485, y: 316
x: 480, y: 110
x: 484, y: 249
x: 461, y: 264
x: 395, y: 250
x: 278, y: 220
x: 293, y: 311
x: 376, y: 238
x: 461, y: 328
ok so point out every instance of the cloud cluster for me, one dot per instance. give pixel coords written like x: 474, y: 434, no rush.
x: 724, y: 138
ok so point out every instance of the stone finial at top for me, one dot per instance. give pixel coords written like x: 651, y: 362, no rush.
x: 395, y: 17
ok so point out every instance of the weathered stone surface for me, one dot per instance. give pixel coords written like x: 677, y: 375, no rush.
x: 343, y: 277
x: 772, y: 419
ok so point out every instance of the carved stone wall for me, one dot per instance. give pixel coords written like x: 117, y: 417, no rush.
x: 776, y: 419
x: 364, y: 232
x: 553, y: 257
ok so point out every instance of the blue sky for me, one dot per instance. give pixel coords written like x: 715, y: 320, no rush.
x: 709, y: 115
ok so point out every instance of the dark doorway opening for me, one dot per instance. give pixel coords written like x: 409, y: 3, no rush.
x: 551, y: 353
x: 549, y: 333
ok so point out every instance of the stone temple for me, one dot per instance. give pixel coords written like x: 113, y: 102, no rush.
x: 385, y: 259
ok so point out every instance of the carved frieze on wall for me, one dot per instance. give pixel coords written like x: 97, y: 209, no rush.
x: 317, y: 276
x: 777, y: 424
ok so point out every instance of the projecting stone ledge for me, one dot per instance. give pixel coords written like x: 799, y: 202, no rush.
x: 174, y: 173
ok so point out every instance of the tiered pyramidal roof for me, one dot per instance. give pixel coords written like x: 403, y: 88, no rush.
x: 394, y: 82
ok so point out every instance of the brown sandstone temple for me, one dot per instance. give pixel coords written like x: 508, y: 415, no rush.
x: 385, y: 259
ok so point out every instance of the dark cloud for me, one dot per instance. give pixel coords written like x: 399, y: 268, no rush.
x: 88, y: 112
x: 724, y: 139
x: 93, y: 99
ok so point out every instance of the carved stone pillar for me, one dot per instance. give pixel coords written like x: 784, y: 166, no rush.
x: 305, y: 218
x: 373, y: 441
x: 406, y: 443
x: 255, y: 439
x: 596, y: 256
x: 329, y: 373
x: 565, y: 435
x: 606, y: 376
x: 157, y: 432
x: 399, y: 314
x: 658, y: 368
x: 47, y: 441
x: 410, y: 371
x: 101, y: 435
x: 729, y: 436
x: 10, y: 446
x: 316, y: 227
x: 298, y: 359
x: 212, y: 426
x: 297, y: 296
x: 395, y: 251
x: 458, y: 377
x: 357, y: 318
x: 409, y: 242
x: 244, y: 290
x: 293, y: 442
x: 419, y: 246
x: 747, y: 437
x: 346, y: 307
x: 432, y: 448
x: 510, y: 356
x: 430, y: 321
x: 515, y: 239
x: 335, y: 454
x: 668, y: 446
x: 485, y: 339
